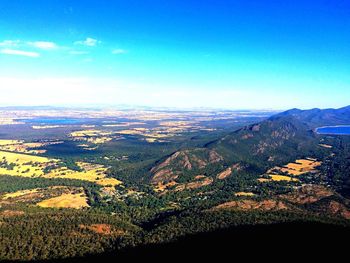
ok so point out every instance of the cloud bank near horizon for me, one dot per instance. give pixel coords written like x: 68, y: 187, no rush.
x: 89, y: 91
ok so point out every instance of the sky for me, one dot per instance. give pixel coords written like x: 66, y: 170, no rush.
x: 248, y: 54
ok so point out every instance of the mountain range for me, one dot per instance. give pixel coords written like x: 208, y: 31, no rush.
x: 253, y: 150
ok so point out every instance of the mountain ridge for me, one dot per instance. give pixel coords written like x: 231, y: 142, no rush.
x: 279, y: 139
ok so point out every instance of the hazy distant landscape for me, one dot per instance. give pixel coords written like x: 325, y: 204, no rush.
x: 119, y: 179
x: 156, y: 130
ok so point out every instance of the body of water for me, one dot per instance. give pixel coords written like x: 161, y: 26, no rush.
x: 53, y: 121
x: 334, y: 130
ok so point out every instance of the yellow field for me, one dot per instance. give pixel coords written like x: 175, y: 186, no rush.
x: 92, y: 173
x: 92, y: 136
x: 157, y: 135
x: 131, y: 132
x: 151, y: 140
x: 90, y: 133
x: 33, y: 166
x: 301, y: 166
x: 244, y: 194
x: 22, y: 166
x: 161, y: 187
x: 24, y: 147
x: 70, y: 200
x: 91, y: 176
x: 22, y: 158
x: 278, y: 178
x: 19, y: 193
x: 108, y: 181
x: 99, y: 140
x: 9, y: 121
x: 9, y: 142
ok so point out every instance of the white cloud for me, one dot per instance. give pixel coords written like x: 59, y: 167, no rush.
x: 9, y: 43
x: 90, y: 42
x: 43, y: 44
x: 36, y: 44
x: 16, y: 52
x: 119, y: 51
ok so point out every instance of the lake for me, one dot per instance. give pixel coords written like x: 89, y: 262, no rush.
x: 334, y: 130
x: 53, y: 121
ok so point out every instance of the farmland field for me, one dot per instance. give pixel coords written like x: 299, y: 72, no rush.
x: 65, y: 201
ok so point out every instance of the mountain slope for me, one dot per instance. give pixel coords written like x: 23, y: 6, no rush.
x: 316, y: 117
x: 253, y: 149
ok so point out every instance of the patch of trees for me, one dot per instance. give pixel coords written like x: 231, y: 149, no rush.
x: 5, y: 164
x: 16, y: 183
x: 336, y: 166
x: 59, y: 234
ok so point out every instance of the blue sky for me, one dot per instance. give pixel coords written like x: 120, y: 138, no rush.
x: 222, y: 54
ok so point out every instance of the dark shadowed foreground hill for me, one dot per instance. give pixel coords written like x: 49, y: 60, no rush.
x: 262, y: 241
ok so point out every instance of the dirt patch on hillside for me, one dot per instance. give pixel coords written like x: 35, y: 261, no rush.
x: 74, y: 199
x: 336, y: 208
x: 165, y: 175
x: 308, y: 194
x: 224, y: 174
x: 214, y: 157
x: 10, y: 213
x: 103, y: 229
x: 163, y: 187
x: 228, y: 172
x: 247, y: 204
x: 201, y: 181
